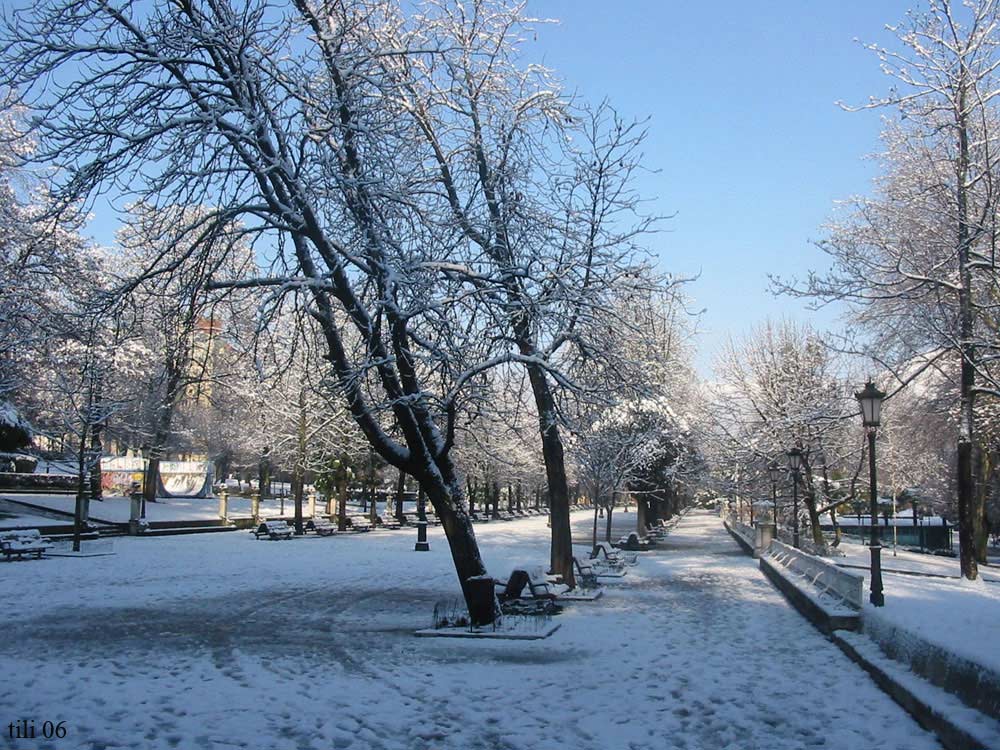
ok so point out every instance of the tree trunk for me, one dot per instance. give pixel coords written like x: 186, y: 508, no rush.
x: 809, y: 500
x: 96, y: 446
x: 982, y: 532
x: 966, y: 494
x: 444, y: 490
x: 967, y: 379
x: 561, y: 551
x: 162, y: 428
x: 594, y: 545
x: 80, y: 511
x: 342, y: 503
x: 300, y: 464
x: 400, y: 490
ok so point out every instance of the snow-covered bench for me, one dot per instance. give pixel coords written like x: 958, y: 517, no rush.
x: 273, y: 530
x: 513, y: 590
x: 633, y: 543
x: 612, y: 555
x: 823, y: 575
x: 586, y: 574
x: 359, y: 523
x: 658, y: 533
x: 388, y: 521
x: 23, y: 542
x: 321, y: 526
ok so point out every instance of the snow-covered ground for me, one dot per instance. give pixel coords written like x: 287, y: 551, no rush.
x: 223, y: 641
x: 16, y: 519
x: 859, y: 555
x: 960, y: 617
x: 956, y: 615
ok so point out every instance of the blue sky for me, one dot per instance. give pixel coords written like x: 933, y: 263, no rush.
x: 751, y: 149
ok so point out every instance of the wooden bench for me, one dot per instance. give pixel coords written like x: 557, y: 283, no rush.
x: 274, y: 530
x: 540, y: 599
x: 519, y: 581
x: 586, y: 576
x: 613, y: 556
x: 633, y: 543
x: 321, y: 526
x: 359, y: 523
x: 388, y: 521
x: 23, y: 542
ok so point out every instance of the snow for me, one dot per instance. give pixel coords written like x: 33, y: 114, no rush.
x: 957, y: 616
x: 912, y: 562
x: 224, y: 641
x: 21, y: 520
x: 115, y: 509
x: 976, y: 724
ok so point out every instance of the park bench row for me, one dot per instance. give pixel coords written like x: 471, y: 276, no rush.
x: 326, y: 525
x: 20, y: 542
x: 522, y: 593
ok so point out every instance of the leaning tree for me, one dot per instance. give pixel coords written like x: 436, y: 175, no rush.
x: 282, y: 120
x: 542, y: 196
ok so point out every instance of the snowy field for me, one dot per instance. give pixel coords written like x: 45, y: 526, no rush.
x: 116, y: 509
x: 914, y: 562
x: 956, y: 615
x: 961, y: 617
x: 221, y: 641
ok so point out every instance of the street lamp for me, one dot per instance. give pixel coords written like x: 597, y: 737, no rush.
x: 795, y: 463
x: 146, y: 454
x: 422, y: 544
x: 774, y: 470
x: 870, y: 400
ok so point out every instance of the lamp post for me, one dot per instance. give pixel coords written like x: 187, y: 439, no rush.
x: 145, y: 452
x: 422, y: 544
x: 870, y: 401
x: 774, y: 470
x: 795, y: 463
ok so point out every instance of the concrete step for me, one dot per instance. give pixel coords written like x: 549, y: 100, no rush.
x: 956, y: 725
x: 183, y: 527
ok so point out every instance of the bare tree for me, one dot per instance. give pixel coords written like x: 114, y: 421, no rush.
x: 286, y: 123
x: 549, y: 229
x: 917, y: 260
x: 780, y: 388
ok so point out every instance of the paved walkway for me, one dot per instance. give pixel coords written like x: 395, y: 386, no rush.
x: 226, y: 642
x: 742, y: 668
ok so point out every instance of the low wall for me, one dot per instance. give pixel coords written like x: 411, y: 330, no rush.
x: 825, y: 616
x: 23, y: 482
x: 820, y: 573
x: 975, y: 685
x: 746, y: 543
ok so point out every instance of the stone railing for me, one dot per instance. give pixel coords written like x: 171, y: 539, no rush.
x: 747, y: 532
x: 823, y: 575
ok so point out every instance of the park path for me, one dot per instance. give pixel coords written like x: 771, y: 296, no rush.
x: 741, y: 667
x: 228, y: 642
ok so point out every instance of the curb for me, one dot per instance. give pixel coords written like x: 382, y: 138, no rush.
x: 950, y: 733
